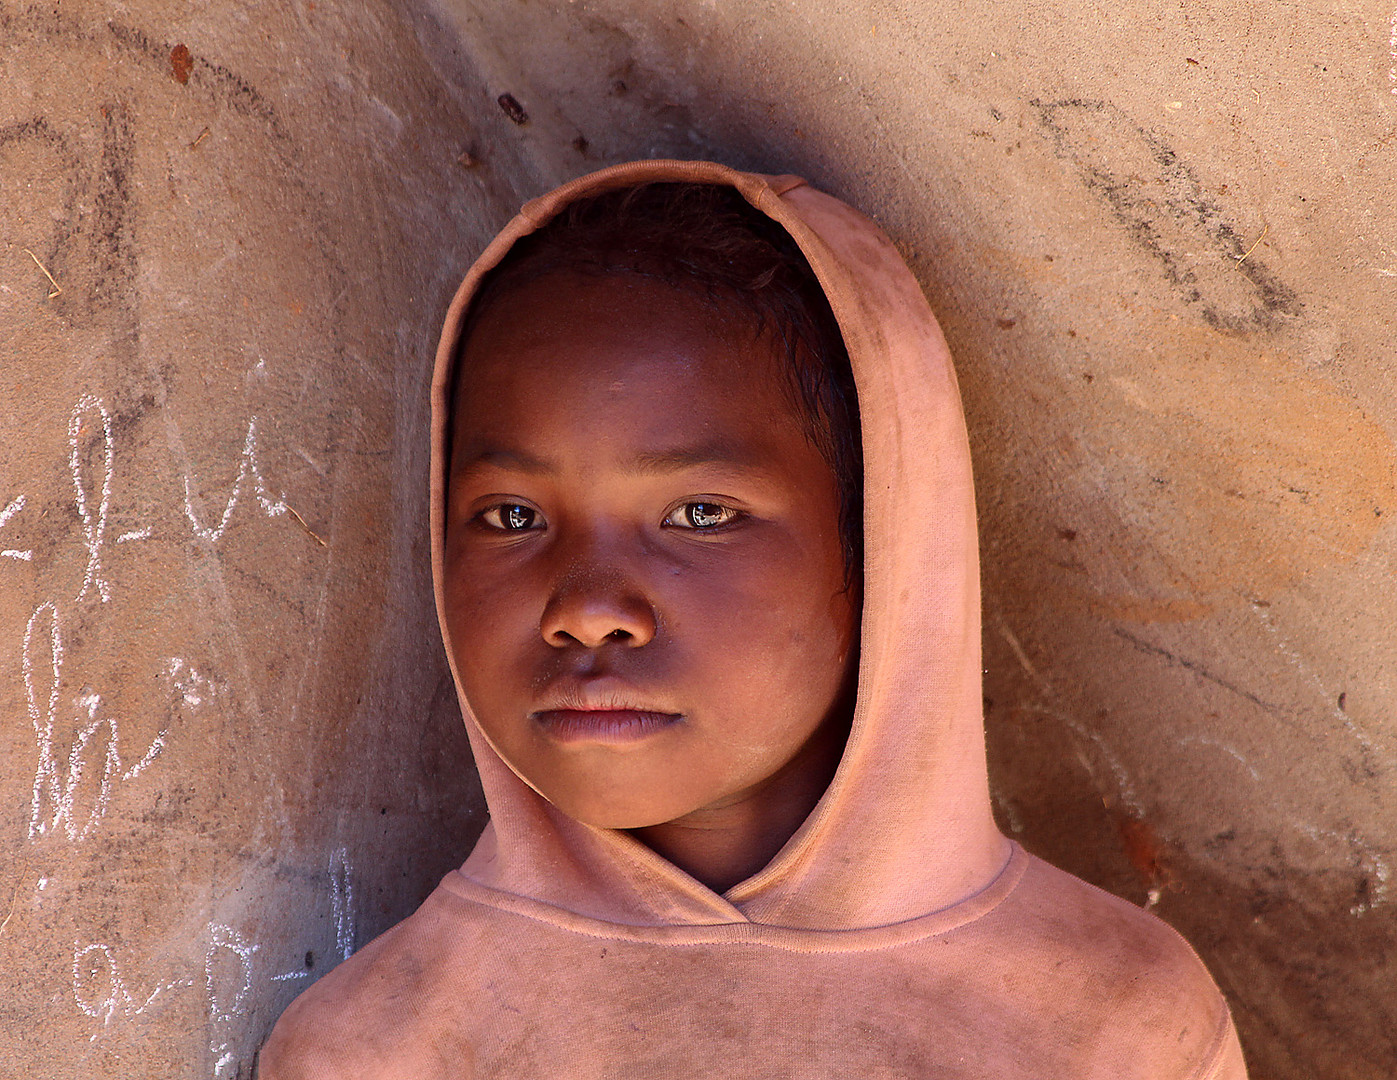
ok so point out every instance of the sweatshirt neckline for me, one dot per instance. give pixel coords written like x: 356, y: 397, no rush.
x: 786, y: 938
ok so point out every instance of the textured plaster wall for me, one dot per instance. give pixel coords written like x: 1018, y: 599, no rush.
x: 1160, y: 239
x: 231, y: 750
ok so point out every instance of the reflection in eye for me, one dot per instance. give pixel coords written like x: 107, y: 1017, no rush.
x: 511, y: 517
x: 701, y: 515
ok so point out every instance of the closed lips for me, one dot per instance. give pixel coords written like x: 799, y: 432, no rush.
x: 603, y: 725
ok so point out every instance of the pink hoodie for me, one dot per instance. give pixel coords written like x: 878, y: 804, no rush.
x: 896, y: 934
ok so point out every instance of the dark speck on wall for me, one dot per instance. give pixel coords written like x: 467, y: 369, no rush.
x: 512, y: 109
x: 181, y: 63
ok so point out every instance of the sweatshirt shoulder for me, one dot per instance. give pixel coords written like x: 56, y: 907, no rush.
x: 371, y: 1017
x: 1145, y: 1004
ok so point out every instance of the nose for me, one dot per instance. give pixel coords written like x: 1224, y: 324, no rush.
x: 592, y: 608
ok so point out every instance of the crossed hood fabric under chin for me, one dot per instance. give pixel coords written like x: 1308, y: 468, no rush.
x: 897, y: 933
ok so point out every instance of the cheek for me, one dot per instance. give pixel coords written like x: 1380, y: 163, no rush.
x: 773, y: 630
x: 491, y: 616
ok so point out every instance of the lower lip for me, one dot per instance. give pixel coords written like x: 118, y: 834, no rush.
x: 603, y: 726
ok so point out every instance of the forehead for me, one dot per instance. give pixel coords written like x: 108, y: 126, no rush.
x: 603, y: 357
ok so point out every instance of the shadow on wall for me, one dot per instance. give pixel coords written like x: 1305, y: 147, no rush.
x: 1183, y: 446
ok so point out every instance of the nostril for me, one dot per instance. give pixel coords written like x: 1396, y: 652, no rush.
x: 595, y: 616
x: 565, y: 638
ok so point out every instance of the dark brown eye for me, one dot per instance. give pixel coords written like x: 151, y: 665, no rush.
x: 701, y: 515
x: 511, y: 517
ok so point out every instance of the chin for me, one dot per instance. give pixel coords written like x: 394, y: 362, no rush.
x: 620, y: 815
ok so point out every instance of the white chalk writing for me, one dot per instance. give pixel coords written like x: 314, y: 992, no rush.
x: 43, y: 641
x: 342, y: 901
x: 247, y: 467
x: 15, y: 506
x: 100, y: 989
x: 192, y: 687
x: 224, y: 1007
x: 93, y: 527
x: 1392, y: 46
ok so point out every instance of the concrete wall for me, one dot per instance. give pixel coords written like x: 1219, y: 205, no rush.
x: 1160, y: 239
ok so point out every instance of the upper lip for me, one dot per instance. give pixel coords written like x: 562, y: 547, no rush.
x: 599, y: 695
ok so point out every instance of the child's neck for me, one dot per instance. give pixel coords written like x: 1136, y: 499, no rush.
x: 723, y: 845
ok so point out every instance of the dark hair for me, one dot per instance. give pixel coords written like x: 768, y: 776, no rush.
x: 708, y: 239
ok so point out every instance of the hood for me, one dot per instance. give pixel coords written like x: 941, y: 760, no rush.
x: 905, y: 827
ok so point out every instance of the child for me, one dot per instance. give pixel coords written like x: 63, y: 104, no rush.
x: 714, y: 618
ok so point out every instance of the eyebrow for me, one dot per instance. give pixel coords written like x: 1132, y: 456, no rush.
x: 510, y: 460
x: 716, y: 452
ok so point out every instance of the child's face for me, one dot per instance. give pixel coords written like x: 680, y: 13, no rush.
x: 645, y: 586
